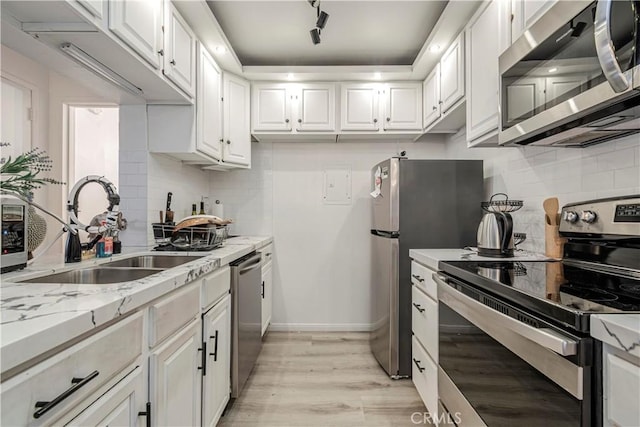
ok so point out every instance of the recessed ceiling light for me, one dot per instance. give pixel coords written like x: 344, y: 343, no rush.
x: 553, y: 70
x: 289, y: 76
x: 377, y: 76
x: 435, y: 48
x: 220, y: 49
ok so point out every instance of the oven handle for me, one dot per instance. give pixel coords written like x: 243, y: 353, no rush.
x: 604, y: 47
x: 545, y: 337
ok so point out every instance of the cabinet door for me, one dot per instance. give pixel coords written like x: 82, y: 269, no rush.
x: 179, y: 50
x: 452, y: 74
x: 403, y: 106
x: 175, y: 379
x: 267, y: 295
x: 216, y: 388
x: 271, y: 108
x: 316, y: 107
x: 117, y: 407
x: 431, y: 97
x: 237, y: 140
x: 523, y: 97
x: 359, y: 107
x: 525, y: 13
x: 621, y: 389
x: 209, y: 105
x: 93, y: 6
x: 139, y: 24
x: 482, y: 71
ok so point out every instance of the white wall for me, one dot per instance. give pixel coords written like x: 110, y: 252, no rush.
x: 532, y: 174
x: 322, y: 252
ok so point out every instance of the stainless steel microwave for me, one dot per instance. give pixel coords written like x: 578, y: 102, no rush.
x: 573, y: 78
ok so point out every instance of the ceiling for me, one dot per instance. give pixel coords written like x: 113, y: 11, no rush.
x: 276, y: 33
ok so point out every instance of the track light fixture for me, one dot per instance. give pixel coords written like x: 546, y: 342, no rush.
x: 321, y: 21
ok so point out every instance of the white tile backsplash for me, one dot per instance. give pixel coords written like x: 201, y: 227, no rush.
x: 535, y: 173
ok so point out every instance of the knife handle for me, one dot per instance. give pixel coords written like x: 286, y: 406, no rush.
x: 169, y: 200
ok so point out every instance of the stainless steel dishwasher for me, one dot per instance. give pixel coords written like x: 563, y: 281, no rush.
x: 246, y: 318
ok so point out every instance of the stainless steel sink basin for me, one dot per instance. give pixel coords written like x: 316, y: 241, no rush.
x: 95, y: 276
x: 153, y: 261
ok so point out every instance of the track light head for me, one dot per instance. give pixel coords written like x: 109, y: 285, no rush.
x: 315, y: 36
x: 314, y: 3
x: 322, y: 19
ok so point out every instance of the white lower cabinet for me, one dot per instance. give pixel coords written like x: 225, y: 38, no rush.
x: 424, y: 373
x: 120, y: 406
x: 216, y: 380
x: 621, y: 388
x: 175, y: 379
x: 267, y: 295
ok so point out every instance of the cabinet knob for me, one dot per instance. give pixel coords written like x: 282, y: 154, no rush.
x: 299, y: 120
x: 286, y: 120
x: 375, y: 120
x: 388, y: 119
x: 228, y: 142
x: 161, y: 52
x: 435, y: 108
x: 221, y: 139
x: 439, y: 102
x: 172, y: 62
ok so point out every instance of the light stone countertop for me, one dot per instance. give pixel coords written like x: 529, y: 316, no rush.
x: 431, y: 257
x: 619, y: 330
x: 36, y: 317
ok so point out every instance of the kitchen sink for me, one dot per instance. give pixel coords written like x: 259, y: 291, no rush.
x: 95, y: 276
x: 153, y: 261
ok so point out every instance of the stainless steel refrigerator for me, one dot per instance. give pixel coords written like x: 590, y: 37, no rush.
x: 417, y: 204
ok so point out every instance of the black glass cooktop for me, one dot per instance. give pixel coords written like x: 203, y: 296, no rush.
x: 555, y: 290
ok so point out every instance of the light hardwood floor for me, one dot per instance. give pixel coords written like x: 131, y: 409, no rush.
x: 322, y: 379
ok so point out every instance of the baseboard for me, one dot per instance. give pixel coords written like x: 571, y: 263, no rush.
x: 320, y: 327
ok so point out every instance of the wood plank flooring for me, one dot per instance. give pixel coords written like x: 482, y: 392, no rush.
x: 322, y: 379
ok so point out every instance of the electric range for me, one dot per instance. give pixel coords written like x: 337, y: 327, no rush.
x: 524, y: 326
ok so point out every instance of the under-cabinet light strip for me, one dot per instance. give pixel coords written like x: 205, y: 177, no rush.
x: 98, y: 68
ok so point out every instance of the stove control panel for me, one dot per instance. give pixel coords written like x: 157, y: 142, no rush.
x: 614, y: 216
x: 627, y: 213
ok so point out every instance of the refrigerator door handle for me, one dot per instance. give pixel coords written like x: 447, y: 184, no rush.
x: 386, y: 234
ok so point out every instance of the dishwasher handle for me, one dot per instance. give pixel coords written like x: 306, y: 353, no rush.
x: 250, y: 264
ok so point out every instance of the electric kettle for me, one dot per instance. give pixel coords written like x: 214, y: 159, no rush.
x: 495, y: 235
x: 495, y: 232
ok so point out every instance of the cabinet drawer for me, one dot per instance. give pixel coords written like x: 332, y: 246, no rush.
x: 421, y: 277
x: 267, y: 253
x: 106, y: 353
x: 424, y: 321
x: 215, y: 286
x: 424, y: 373
x: 173, y: 312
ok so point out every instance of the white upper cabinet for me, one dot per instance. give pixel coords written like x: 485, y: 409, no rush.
x: 271, y: 106
x: 94, y: 7
x: 292, y: 108
x: 403, y: 106
x: 316, y: 107
x: 359, y: 107
x: 452, y: 74
x: 237, y: 130
x: 179, y: 50
x: 431, y: 97
x: 525, y: 13
x: 139, y: 25
x: 482, y: 51
x: 209, y: 105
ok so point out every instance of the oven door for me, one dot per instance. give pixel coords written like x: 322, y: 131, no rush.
x: 575, y: 72
x: 496, y: 370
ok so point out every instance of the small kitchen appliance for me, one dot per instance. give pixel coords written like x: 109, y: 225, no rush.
x: 14, y: 234
x: 514, y: 337
x: 495, y: 232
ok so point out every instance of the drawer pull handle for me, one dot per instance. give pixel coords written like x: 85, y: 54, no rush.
x: 215, y: 347
x: 417, y: 362
x: 147, y: 414
x: 420, y: 309
x: 78, y: 383
x: 203, y: 356
x: 418, y: 278
x: 262, y: 292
